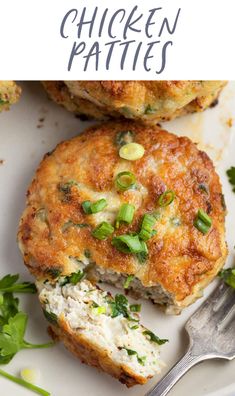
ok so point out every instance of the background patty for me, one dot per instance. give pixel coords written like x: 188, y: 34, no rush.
x: 9, y: 94
x: 148, y: 101
x: 55, y: 233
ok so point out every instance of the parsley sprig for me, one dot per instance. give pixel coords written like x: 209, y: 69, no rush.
x: 13, y: 325
x: 8, y: 284
x: 231, y: 176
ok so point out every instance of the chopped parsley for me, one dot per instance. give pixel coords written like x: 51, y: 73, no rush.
x: 231, y: 176
x: 120, y: 306
x: 135, y: 307
x: 54, y: 272
x: 73, y: 279
x: 152, y: 337
x: 51, y: 317
x: 13, y: 325
x: 131, y: 352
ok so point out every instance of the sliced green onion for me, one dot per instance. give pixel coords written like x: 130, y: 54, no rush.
x: 202, y: 227
x: 146, y: 227
x: 95, y: 207
x: 127, y: 243
x: 143, y: 255
x: 128, y: 280
x: 86, y: 206
x: 202, y: 221
x: 125, y: 180
x: 98, y: 206
x: 125, y: 214
x: 131, y: 151
x: 24, y: 383
x: 166, y: 198
x: 135, y: 307
x: 203, y: 216
x: 103, y: 230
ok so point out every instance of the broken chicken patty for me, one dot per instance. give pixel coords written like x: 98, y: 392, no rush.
x: 102, y: 331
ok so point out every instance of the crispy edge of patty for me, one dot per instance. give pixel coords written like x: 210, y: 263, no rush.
x: 93, y: 355
x: 109, y: 99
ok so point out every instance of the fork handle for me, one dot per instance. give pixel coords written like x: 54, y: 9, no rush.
x: 173, y: 376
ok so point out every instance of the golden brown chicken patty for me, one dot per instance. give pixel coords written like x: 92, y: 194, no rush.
x: 147, y: 101
x: 9, y: 94
x: 55, y: 235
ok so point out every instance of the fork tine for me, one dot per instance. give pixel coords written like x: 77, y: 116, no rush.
x: 209, y: 308
x: 226, y: 307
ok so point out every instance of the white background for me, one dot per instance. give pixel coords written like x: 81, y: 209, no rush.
x: 32, y: 48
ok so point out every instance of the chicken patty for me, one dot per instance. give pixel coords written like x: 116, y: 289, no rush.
x: 158, y: 228
x: 101, y: 330
x: 146, y: 101
x: 9, y: 94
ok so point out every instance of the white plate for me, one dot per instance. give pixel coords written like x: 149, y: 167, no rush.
x: 33, y: 127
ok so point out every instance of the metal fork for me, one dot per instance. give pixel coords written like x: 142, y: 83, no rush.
x: 211, y: 331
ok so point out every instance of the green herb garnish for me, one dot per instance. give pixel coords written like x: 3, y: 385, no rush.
x: 202, y: 221
x: 128, y: 280
x: 150, y: 110
x: 51, y: 317
x: 125, y: 214
x: 131, y: 352
x: 103, y: 231
x: 54, y: 272
x: 154, y: 338
x: 8, y: 284
x: 231, y: 176
x: 8, y: 307
x: 124, y: 137
x: 73, y: 279
x: 166, y: 198
x: 66, y: 187
x: 12, y: 337
x: 24, y: 383
x: 95, y: 207
x: 148, y: 223
x: 228, y: 276
x: 128, y: 243
x: 135, y: 307
x: 125, y: 181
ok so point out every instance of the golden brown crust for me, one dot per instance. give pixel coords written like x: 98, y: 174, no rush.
x: 181, y: 258
x: 90, y: 353
x: 9, y: 94
x: 147, y: 101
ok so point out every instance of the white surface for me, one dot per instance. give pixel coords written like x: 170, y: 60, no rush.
x: 22, y: 146
x: 32, y: 48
